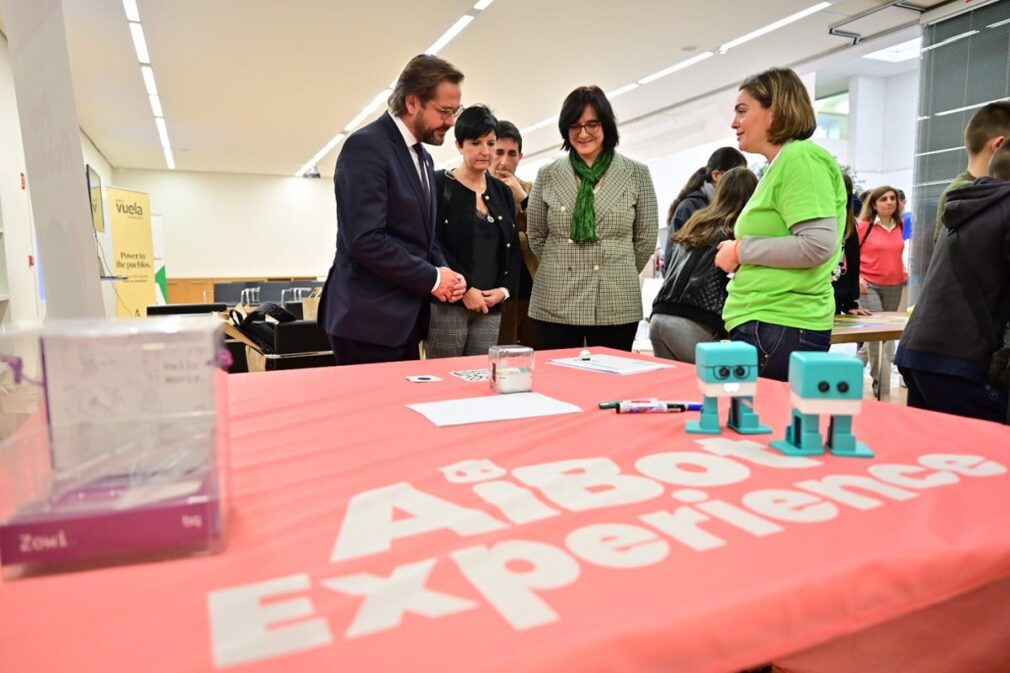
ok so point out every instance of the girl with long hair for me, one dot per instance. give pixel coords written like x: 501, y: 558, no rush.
x: 688, y: 307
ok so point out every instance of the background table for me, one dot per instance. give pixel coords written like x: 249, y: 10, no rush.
x: 306, y: 443
x: 876, y: 328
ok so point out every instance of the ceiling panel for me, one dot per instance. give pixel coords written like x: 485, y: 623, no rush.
x: 258, y: 86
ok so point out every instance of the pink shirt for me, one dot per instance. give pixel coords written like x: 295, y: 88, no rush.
x: 880, y: 255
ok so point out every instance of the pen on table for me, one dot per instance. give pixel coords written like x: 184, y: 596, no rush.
x: 651, y: 406
x: 657, y: 407
x: 613, y: 404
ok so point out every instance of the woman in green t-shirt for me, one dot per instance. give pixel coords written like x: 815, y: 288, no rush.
x: 788, y: 237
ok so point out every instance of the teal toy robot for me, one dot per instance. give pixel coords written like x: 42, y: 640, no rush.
x: 727, y: 369
x: 824, y: 383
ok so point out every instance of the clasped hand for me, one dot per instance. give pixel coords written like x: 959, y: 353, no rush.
x: 481, y: 301
x: 451, y: 285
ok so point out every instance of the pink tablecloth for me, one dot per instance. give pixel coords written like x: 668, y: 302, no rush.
x: 366, y: 539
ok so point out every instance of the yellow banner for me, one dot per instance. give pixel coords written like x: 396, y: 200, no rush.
x: 132, y: 250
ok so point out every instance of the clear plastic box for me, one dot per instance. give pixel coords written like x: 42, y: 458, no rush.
x: 113, y: 440
x: 511, y: 368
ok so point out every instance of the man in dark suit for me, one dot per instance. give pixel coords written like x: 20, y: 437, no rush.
x: 375, y: 302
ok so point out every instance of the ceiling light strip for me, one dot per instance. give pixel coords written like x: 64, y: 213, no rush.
x: 540, y: 124
x: 130, y: 7
x: 139, y: 43
x: 623, y: 90
x: 676, y: 67
x: 162, y: 132
x: 310, y: 165
x: 439, y: 44
x: 792, y: 18
x: 381, y: 98
x: 454, y: 30
x: 147, y: 74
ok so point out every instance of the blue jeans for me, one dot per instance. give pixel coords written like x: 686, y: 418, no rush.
x: 954, y: 395
x: 774, y: 343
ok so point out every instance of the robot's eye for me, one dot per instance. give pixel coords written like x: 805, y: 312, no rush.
x: 740, y: 372
x: 722, y: 373
x: 843, y: 387
x: 824, y: 386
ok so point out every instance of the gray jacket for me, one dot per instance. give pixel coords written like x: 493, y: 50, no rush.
x: 591, y: 283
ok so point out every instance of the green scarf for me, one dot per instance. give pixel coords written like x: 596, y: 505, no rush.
x: 584, y: 217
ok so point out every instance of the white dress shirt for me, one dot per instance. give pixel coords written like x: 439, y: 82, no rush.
x: 410, y: 141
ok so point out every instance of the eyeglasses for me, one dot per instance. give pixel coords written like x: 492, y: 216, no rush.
x: 449, y: 113
x: 592, y: 127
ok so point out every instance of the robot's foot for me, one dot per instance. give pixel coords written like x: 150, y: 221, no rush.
x: 791, y: 449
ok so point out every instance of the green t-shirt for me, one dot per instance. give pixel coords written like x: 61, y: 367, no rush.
x: 960, y: 181
x: 803, y: 183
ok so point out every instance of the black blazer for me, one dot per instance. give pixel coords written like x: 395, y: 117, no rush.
x: 454, y: 228
x: 387, y: 257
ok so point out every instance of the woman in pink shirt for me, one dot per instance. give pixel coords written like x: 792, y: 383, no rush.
x: 882, y: 273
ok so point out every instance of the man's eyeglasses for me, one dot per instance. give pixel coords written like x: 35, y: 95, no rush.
x: 592, y: 127
x: 449, y: 113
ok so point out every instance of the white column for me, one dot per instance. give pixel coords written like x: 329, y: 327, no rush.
x: 17, y: 276
x: 867, y: 102
x: 51, y: 137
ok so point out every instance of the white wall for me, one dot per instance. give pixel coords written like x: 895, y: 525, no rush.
x: 15, y: 211
x: 94, y: 158
x: 222, y: 224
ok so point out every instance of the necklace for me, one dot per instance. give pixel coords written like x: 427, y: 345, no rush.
x: 478, y: 188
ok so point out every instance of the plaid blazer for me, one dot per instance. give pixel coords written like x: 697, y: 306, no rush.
x: 591, y: 283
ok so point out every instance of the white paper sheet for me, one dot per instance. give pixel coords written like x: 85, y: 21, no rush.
x: 611, y: 364
x: 492, y: 408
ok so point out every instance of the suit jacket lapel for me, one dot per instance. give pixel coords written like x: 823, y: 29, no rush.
x: 568, y: 186
x: 615, y: 183
x: 402, y: 153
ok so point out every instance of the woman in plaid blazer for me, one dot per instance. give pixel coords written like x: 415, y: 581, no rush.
x: 592, y: 221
